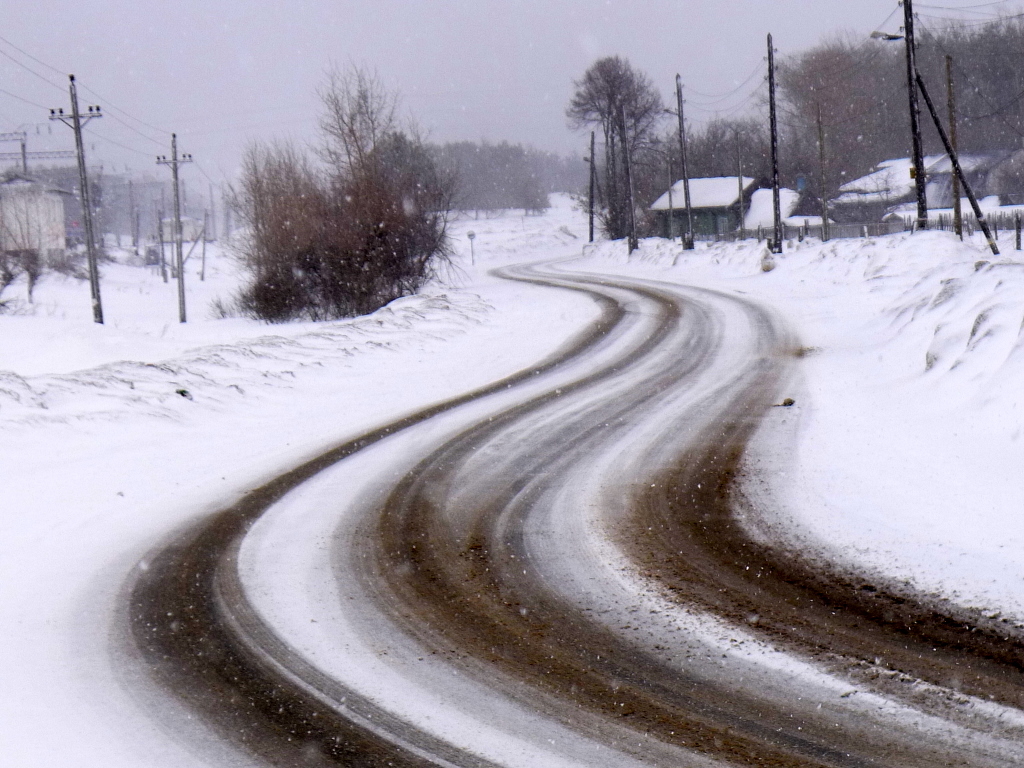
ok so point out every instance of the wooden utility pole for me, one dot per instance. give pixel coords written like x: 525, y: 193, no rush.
x: 824, y: 178
x: 739, y: 184
x: 955, y: 160
x: 958, y: 220
x: 133, y: 222
x: 213, y: 218
x: 160, y: 234
x: 174, y: 162
x: 593, y: 182
x: 202, y: 269
x: 915, y: 116
x: 776, y: 206
x: 688, y: 237
x: 671, y: 204
x: 76, y: 122
x: 633, y: 242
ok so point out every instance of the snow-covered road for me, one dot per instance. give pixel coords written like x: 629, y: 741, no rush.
x: 551, y: 574
x: 466, y: 591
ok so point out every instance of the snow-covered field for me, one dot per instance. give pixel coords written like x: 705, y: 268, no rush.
x: 901, y: 453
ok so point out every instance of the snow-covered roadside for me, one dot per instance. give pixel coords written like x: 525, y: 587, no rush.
x: 100, y: 464
x: 902, y: 454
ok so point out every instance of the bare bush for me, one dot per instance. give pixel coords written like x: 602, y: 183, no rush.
x: 345, y: 237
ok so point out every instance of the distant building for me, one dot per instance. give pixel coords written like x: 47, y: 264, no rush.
x: 715, y: 203
x: 890, y: 188
x: 191, y: 229
x: 32, y: 218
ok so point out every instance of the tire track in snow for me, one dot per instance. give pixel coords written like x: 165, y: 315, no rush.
x: 203, y: 639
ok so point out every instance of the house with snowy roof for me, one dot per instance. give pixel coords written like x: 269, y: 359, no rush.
x: 891, y: 189
x: 718, y: 204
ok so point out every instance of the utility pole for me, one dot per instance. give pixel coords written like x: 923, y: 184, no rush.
x: 133, y: 221
x: 958, y: 220
x: 688, y: 238
x: 213, y: 218
x: 739, y: 184
x: 174, y: 162
x: 76, y: 121
x: 202, y: 270
x: 671, y: 204
x: 21, y: 137
x: 915, y: 115
x: 160, y: 234
x: 776, y: 206
x: 633, y: 243
x: 593, y: 183
x: 956, y: 165
x: 821, y: 164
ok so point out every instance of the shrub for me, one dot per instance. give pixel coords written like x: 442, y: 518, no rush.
x: 346, y: 236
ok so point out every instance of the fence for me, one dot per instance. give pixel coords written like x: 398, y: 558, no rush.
x: 799, y: 232
x: 998, y: 221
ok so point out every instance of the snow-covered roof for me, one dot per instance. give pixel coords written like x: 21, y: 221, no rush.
x: 891, y: 178
x: 19, y: 184
x: 715, y: 192
x: 761, y: 213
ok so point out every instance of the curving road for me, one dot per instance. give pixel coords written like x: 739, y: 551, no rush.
x: 550, y: 571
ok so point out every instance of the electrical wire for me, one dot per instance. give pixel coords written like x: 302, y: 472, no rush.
x: 996, y: 109
x: 85, y: 87
x: 30, y: 70
x: 119, y: 144
x: 970, y: 8
x: 722, y: 96
x: 972, y: 22
x: 107, y: 103
x: 21, y: 98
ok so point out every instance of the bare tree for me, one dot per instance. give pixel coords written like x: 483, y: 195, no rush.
x: 358, y: 112
x: 624, y: 103
x: 344, y: 238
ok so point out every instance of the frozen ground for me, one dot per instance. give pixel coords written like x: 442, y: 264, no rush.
x: 906, y: 427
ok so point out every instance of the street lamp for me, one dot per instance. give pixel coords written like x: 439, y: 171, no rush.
x: 915, y: 113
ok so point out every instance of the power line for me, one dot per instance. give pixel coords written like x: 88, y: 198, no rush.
x: 21, y: 98
x: 106, y: 102
x: 977, y: 89
x: 965, y: 7
x: 747, y: 79
x: 971, y: 22
x: 30, y: 70
x: 26, y: 53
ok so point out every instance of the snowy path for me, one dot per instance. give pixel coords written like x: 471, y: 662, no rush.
x: 460, y: 588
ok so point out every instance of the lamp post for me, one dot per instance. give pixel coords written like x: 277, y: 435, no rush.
x: 919, y: 85
x: 472, y: 251
x: 918, y: 171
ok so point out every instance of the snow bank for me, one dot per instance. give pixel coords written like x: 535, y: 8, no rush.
x: 903, y: 452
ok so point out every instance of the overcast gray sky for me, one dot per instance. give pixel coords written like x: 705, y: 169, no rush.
x: 224, y: 72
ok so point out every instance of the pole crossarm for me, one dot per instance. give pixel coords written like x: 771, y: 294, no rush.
x: 14, y: 136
